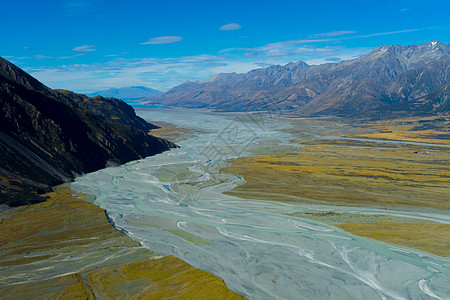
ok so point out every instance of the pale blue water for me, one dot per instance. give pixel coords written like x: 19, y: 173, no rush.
x: 257, y: 249
x: 138, y: 105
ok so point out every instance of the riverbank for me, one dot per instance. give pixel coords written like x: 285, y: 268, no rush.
x: 174, y: 203
x: 346, y: 171
x: 351, y: 172
x: 65, y: 248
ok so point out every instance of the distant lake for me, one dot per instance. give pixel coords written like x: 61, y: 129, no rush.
x: 141, y: 105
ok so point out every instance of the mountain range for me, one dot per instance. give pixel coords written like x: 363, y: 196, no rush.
x: 390, y: 80
x: 48, y: 137
x: 127, y: 93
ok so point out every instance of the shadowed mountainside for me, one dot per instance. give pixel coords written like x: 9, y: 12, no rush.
x: 48, y: 137
x: 408, y: 79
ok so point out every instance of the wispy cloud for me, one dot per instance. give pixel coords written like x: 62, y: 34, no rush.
x: 158, y: 73
x: 231, y: 26
x: 169, y: 39
x: 303, y: 46
x: 71, y: 56
x: 287, y: 48
x: 332, y: 39
x: 332, y: 33
x: 84, y: 48
x: 390, y: 32
x: 41, y: 57
x: 116, y: 55
x: 165, y: 73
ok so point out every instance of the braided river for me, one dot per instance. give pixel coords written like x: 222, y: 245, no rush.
x: 174, y: 204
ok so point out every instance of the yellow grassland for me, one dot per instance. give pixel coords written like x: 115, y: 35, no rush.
x: 410, y: 129
x: 68, y: 225
x: 432, y: 238
x: 370, y: 174
x: 344, y: 175
x: 171, y: 132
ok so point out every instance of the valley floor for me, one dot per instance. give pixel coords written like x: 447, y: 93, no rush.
x: 65, y: 248
x: 357, y: 170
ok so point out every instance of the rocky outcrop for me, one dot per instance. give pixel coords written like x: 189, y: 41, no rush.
x: 376, y: 82
x: 48, y: 137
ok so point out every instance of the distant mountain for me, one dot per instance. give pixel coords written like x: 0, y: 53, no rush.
x: 48, y: 137
x: 386, y: 77
x: 127, y: 93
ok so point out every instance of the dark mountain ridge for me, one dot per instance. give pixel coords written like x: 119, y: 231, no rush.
x: 48, y: 137
x: 388, y: 75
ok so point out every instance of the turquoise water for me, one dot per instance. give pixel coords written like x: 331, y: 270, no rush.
x: 257, y: 249
x: 138, y: 105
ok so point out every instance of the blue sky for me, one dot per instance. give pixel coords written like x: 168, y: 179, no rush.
x: 89, y: 45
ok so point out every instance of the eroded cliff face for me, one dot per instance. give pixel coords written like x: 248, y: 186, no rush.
x: 48, y: 137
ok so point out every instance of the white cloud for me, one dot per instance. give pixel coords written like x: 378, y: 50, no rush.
x: 41, y: 57
x: 165, y: 73
x: 332, y: 39
x: 332, y: 33
x: 287, y: 49
x: 71, y: 56
x: 163, y: 40
x: 84, y: 48
x: 158, y: 73
x: 231, y: 26
x: 308, y: 49
x: 390, y: 32
x: 116, y: 55
x: 339, y: 55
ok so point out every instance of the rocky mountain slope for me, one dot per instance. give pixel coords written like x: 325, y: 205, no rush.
x: 48, y: 137
x: 127, y: 93
x: 382, y: 79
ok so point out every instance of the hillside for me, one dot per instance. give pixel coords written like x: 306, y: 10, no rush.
x: 48, y: 137
x: 387, y: 78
